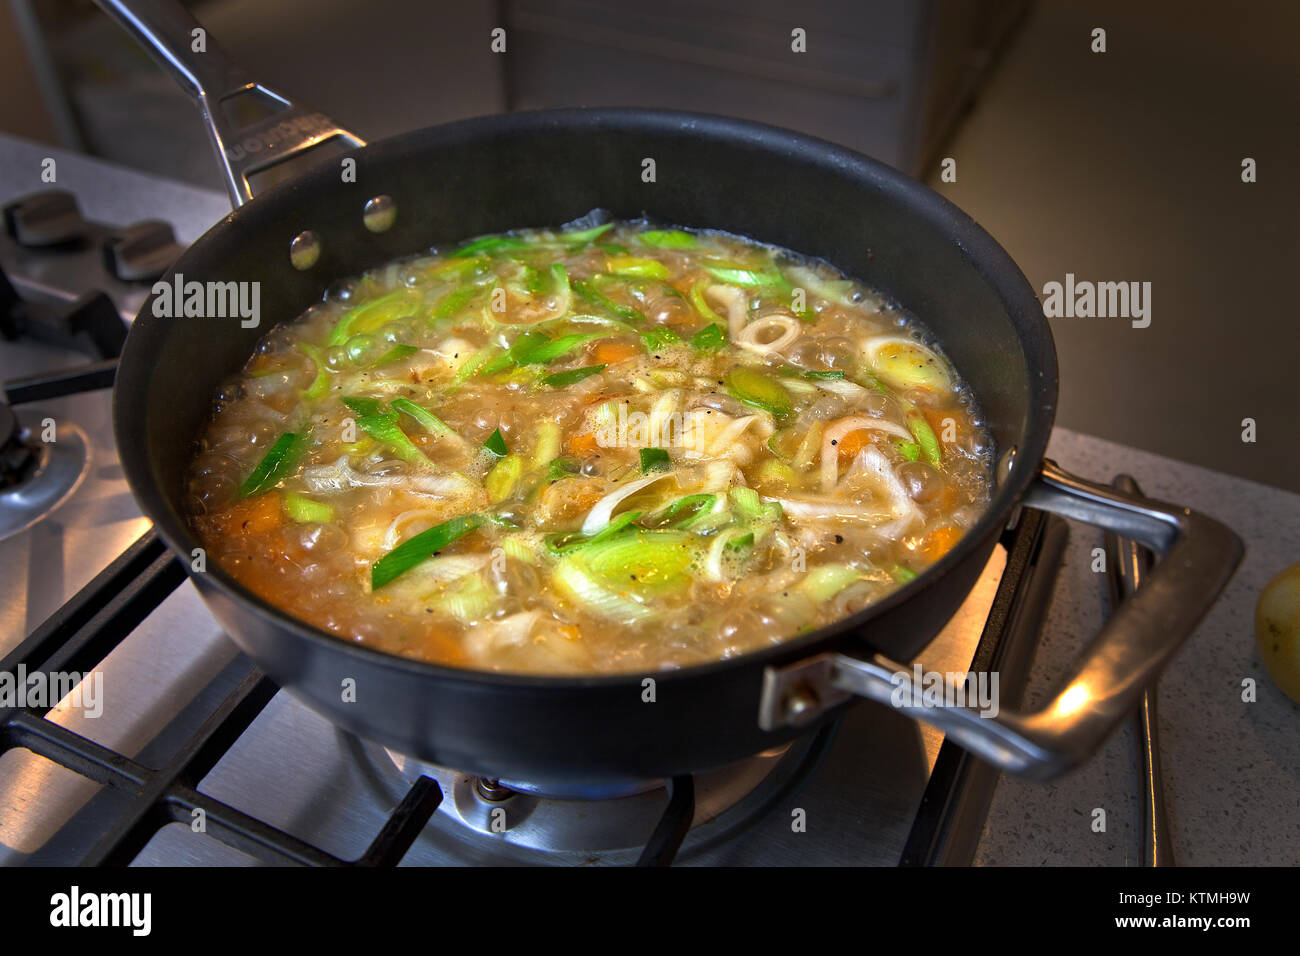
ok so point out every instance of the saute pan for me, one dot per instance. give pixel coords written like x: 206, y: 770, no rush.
x: 547, y: 168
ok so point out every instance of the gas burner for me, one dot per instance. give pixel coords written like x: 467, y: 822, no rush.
x: 517, y: 822
x: 17, y: 457
x: 36, y: 476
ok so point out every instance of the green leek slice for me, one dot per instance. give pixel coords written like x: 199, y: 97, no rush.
x: 667, y: 239
x: 275, y: 464
x: 562, y: 379
x: 754, y: 388
x: 303, y: 509
x: 420, y: 548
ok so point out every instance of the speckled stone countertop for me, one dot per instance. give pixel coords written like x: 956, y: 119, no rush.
x: 1231, y: 768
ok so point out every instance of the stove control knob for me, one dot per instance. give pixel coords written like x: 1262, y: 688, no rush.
x: 142, y: 252
x: 46, y: 218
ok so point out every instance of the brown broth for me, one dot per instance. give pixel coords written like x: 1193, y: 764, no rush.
x: 763, y: 527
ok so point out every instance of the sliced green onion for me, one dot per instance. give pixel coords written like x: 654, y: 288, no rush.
x: 584, y: 236
x: 431, y: 422
x: 638, y: 267
x: 472, y: 364
x: 503, y: 477
x: 455, y: 302
x: 589, y: 293
x: 382, y: 425
x: 496, y: 443
x: 686, y: 511
x: 468, y: 599
x: 654, y: 459
x: 372, y: 315
x: 773, y: 444
x: 396, y: 353
x: 660, y: 337
x: 321, y: 383
x: 702, y: 305
x: 835, y: 373
x: 667, y: 239
x: 775, y: 470
x: 366, y: 407
x: 275, y: 464
x: 517, y: 547
x: 547, y: 446
x: 420, y: 548
x: 302, y: 509
x: 490, y: 245
x: 559, y: 544
x: 562, y: 379
x: 561, y: 468
x: 461, y: 269
x: 871, y: 380
x: 557, y: 348
x: 749, y: 278
x: 524, y: 343
x: 614, y: 577
x: 711, y: 338
x: 740, y: 543
x: 585, y: 591
x: 560, y: 276
x: 754, y: 508
x: 385, y: 429
x: 908, y: 449
x: 901, y: 574
x: 925, y: 437
x: 827, y: 580
x: 749, y: 385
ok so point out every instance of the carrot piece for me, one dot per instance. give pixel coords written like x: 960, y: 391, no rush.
x: 939, y: 542
x: 580, y: 446
x: 852, y: 443
x: 256, y: 515
x: 607, y: 353
x: 937, y: 416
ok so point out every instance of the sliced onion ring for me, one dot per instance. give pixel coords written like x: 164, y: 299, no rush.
x: 835, y: 433
x: 749, y: 336
x: 603, y: 510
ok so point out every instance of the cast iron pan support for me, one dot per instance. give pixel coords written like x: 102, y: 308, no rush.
x: 1107, y: 679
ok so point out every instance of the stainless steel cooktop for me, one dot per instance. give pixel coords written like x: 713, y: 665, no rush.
x: 856, y: 795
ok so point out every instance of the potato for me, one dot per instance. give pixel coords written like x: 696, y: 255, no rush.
x: 1277, y: 630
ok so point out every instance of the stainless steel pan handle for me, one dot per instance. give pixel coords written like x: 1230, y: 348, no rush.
x: 1108, y: 677
x: 222, y: 90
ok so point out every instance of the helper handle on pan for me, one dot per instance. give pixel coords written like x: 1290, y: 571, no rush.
x: 1107, y: 679
x: 222, y: 90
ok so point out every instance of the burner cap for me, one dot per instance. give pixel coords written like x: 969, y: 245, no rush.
x: 17, y: 458
x: 515, y: 822
x: 37, y: 477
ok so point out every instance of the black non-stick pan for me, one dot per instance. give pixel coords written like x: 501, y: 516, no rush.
x: 545, y: 169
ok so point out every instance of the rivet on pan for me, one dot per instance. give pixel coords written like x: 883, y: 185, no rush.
x: 304, y: 250
x: 1005, y: 464
x: 801, y: 705
x: 492, y: 791
x: 380, y: 214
